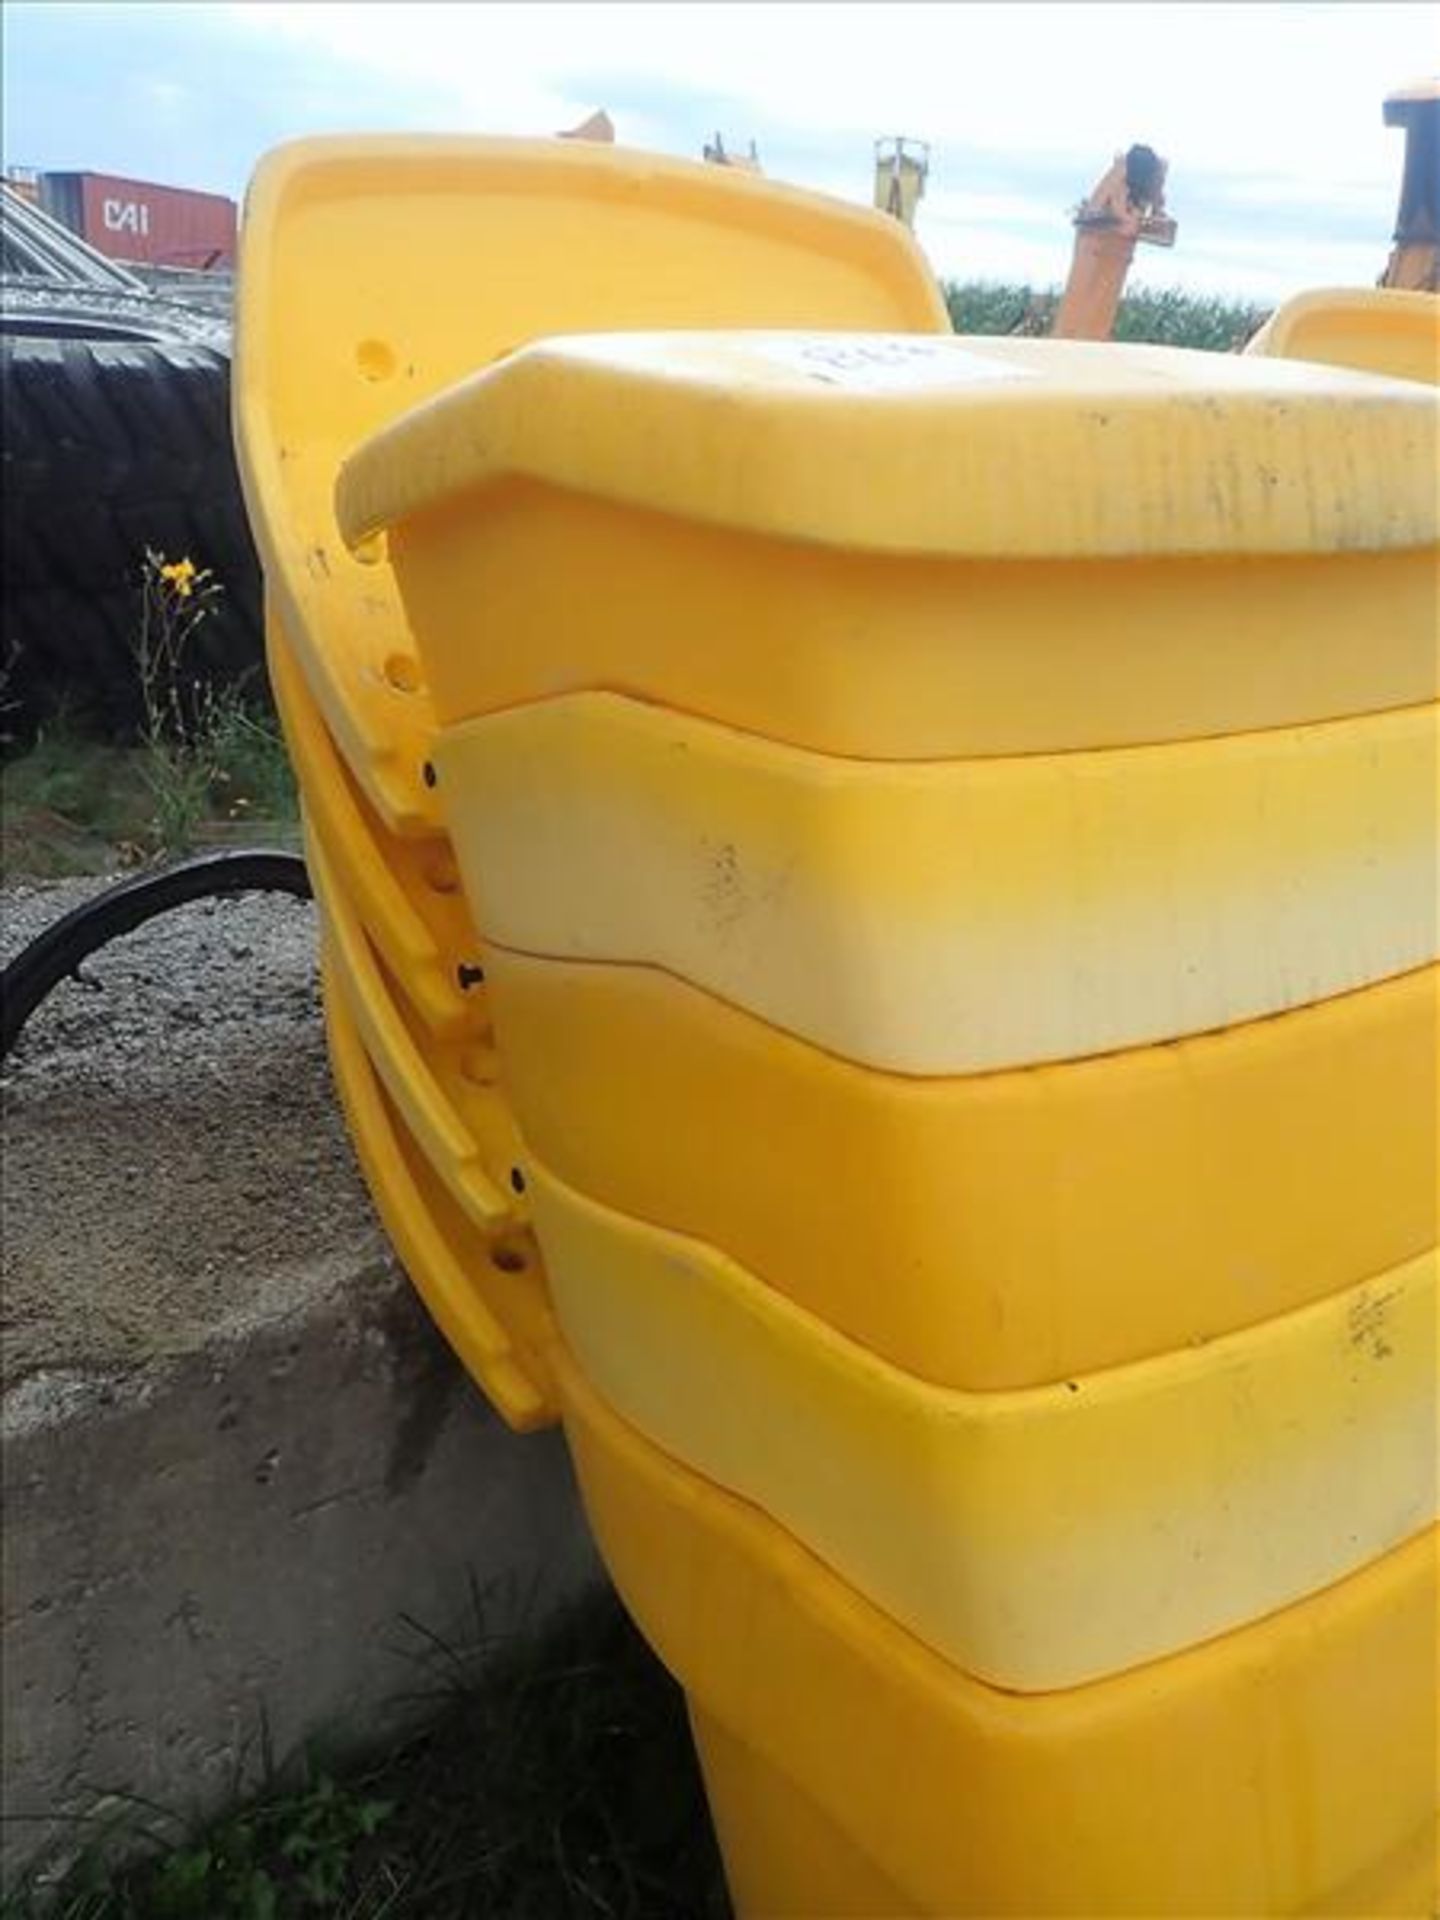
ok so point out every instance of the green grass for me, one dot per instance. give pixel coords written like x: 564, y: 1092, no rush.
x: 1165, y: 317
x: 560, y: 1785
x: 206, y: 761
x: 69, y: 799
x: 250, y: 767
x: 72, y: 805
x: 227, y: 763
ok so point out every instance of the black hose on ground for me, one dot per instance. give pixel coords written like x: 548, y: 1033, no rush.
x: 55, y: 954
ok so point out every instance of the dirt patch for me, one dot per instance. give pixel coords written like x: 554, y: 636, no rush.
x: 175, y: 1161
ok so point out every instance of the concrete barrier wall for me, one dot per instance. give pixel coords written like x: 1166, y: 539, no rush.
x: 252, y: 1542
x: 244, y: 1478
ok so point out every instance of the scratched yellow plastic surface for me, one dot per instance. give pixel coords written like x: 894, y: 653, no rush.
x: 485, y: 1291
x: 1385, y: 330
x: 961, y: 916
x: 881, y: 548
x: 1037, y: 1538
x: 376, y: 271
x: 1273, y: 1771
x: 1023, y: 1216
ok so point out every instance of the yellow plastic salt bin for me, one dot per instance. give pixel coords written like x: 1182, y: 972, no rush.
x: 1287, y: 1768
x: 877, y: 548
x: 1312, y: 1388
x: 1385, y: 330
x: 986, y: 914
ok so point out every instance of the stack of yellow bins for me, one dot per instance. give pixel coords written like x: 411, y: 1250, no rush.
x: 916, y: 864
x: 375, y: 272
x: 951, y: 834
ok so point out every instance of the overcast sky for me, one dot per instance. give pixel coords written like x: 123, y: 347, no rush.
x: 1282, y: 174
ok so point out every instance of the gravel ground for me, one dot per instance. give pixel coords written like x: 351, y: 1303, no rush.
x: 175, y: 1160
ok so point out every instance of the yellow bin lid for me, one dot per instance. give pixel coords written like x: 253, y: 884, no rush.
x: 925, y: 445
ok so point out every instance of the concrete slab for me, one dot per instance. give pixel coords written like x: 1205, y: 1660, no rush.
x: 244, y: 1479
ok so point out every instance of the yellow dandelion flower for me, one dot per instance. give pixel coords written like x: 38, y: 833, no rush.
x: 180, y: 576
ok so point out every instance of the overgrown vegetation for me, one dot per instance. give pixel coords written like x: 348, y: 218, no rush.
x: 560, y: 1785
x: 209, y: 764
x: 202, y: 747
x: 1163, y: 316
x: 71, y: 805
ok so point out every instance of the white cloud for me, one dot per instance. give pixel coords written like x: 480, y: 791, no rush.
x: 1269, y: 114
x: 956, y: 208
x: 1236, y: 84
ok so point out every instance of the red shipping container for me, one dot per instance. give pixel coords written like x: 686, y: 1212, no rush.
x: 136, y: 220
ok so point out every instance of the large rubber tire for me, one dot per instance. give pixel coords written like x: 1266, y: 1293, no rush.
x: 110, y: 448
